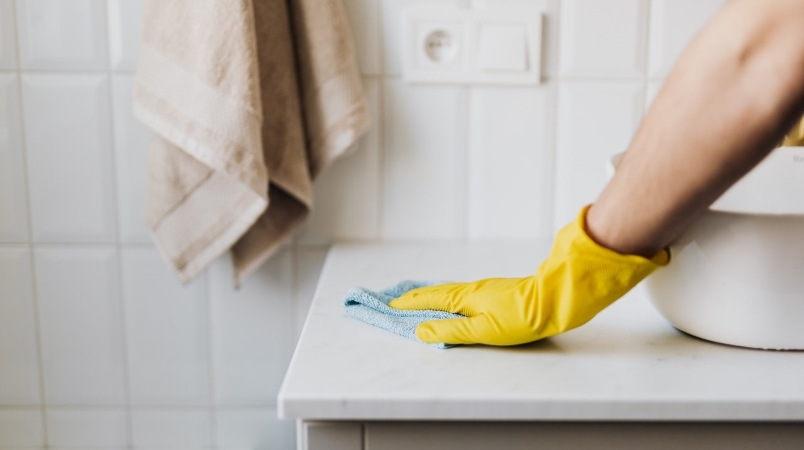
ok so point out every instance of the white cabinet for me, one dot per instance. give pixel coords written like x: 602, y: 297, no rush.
x: 550, y: 435
x: 627, y: 380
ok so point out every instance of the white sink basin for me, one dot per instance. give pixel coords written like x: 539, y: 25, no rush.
x: 737, y: 274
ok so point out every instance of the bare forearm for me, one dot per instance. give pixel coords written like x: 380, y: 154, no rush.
x: 734, y: 93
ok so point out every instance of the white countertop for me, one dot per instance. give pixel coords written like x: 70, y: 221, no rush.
x: 627, y: 364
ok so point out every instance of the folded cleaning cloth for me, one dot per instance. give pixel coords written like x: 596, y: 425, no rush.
x: 249, y: 101
x: 372, y: 307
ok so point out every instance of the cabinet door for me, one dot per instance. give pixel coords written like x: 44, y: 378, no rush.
x: 578, y: 436
x: 331, y: 436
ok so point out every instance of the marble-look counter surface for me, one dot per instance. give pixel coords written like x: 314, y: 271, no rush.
x: 627, y: 364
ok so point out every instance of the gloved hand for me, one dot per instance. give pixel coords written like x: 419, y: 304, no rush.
x: 579, y: 279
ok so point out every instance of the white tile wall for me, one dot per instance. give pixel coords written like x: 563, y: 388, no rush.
x: 78, y: 293
x: 97, y: 428
x: 21, y: 428
x: 19, y: 377
x: 595, y: 121
x: 510, y: 163
x: 131, y: 153
x: 424, y: 161
x: 68, y: 141
x: 125, y: 17
x: 13, y: 200
x: 603, y: 39
x: 252, y: 337
x: 62, y: 35
x: 161, y: 429
x: 166, y: 332
x: 8, y: 44
x: 255, y: 428
x: 130, y: 358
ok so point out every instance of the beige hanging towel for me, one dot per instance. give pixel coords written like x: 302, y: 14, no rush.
x: 249, y: 100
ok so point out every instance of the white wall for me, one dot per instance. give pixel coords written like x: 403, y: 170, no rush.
x: 100, y: 347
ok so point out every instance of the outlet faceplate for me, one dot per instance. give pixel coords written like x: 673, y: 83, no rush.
x: 450, y: 45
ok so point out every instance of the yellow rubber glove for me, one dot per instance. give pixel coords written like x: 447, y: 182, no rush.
x: 578, y: 280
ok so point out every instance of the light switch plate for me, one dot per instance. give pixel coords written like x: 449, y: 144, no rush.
x: 464, y: 46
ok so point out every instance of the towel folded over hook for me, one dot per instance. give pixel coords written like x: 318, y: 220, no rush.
x: 249, y: 101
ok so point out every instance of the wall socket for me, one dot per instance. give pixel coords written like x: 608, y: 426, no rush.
x: 453, y: 45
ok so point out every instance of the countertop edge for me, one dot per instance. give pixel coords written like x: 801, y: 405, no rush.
x: 605, y: 410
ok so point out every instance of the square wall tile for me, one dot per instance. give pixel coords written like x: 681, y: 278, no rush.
x: 13, y: 189
x: 160, y: 429
x: 19, y: 358
x: 309, y: 263
x: 255, y: 428
x: 125, y: 19
x: 87, y: 428
x: 603, y: 39
x: 347, y: 195
x: 68, y: 136
x: 595, y: 121
x: 364, y: 18
x: 511, y: 163
x: 166, y: 327
x: 550, y: 24
x: 62, y: 35
x: 252, y: 333
x: 131, y: 140
x: 391, y: 12
x: 80, y: 325
x: 425, y: 137
x: 21, y: 428
x: 8, y: 36
x: 673, y: 24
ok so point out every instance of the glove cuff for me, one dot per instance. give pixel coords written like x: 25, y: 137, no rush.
x: 583, y: 277
x: 584, y: 241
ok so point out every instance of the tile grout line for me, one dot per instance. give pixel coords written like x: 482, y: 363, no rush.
x: 646, y: 27
x: 143, y: 407
x: 31, y: 253
x: 295, y: 289
x: 556, y: 99
x: 545, y: 78
x: 551, y: 129
x: 118, y: 235
x: 380, y: 164
x: 213, y: 434
x: 465, y: 141
x: 69, y: 71
x: 380, y: 114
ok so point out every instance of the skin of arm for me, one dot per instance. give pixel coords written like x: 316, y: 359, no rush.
x: 733, y: 94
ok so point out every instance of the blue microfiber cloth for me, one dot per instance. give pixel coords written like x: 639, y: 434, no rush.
x: 372, y: 307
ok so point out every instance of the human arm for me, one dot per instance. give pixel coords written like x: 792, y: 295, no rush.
x: 727, y: 103
x: 735, y: 91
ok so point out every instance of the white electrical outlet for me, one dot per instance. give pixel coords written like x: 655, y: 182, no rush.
x: 450, y: 45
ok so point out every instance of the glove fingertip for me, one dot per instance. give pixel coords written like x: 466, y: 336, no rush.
x: 411, y: 300
x: 427, y: 333
x: 404, y: 302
